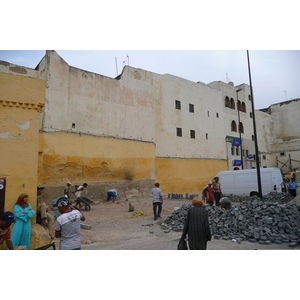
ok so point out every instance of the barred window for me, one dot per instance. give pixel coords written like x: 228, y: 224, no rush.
x: 179, y: 131
x: 191, y: 108
x: 193, y: 134
x: 177, y: 104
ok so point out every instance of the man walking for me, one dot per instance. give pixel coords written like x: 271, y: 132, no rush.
x: 157, y: 199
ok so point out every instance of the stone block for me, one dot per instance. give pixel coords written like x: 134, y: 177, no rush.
x: 85, y: 226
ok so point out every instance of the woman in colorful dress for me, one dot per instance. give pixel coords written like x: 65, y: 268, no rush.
x: 21, y: 231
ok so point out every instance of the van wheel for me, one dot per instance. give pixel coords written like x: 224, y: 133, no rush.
x: 254, y: 194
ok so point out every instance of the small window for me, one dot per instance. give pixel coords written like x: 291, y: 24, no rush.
x: 251, y: 114
x: 233, y: 126
x: 179, y: 131
x: 247, y: 153
x: 206, y: 136
x: 237, y: 152
x: 232, y: 151
x: 208, y: 113
x: 243, y: 107
x: 282, y: 154
x: 264, y: 157
x: 73, y: 125
x: 227, y: 102
x: 239, y: 106
x: 241, y: 128
x: 217, y: 115
x: 193, y: 135
x: 177, y: 104
x: 232, y: 104
x: 191, y: 108
x: 249, y: 97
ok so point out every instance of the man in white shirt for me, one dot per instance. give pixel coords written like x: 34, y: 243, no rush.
x: 68, y: 225
x: 78, y: 192
x: 157, y: 199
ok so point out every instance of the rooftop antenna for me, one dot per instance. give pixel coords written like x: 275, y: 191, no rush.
x: 227, y: 77
x: 285, y: 95
x: 127, y: 59
x: 116, y: 66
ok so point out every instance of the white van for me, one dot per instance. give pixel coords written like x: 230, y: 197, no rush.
x: 244, y: 182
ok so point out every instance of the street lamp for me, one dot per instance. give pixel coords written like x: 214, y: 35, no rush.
x: 239, y: 126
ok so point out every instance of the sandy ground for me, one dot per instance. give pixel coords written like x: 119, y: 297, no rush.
x: 113, y: 228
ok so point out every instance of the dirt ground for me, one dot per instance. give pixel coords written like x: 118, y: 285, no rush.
x: 112, y: 227
x: 112, y: 222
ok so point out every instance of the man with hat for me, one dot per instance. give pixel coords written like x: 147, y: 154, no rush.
x: 68, y: 225
x: 5, y: 232
x: 67, y: 189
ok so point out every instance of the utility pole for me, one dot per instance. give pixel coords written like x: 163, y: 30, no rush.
x: 254, y: 131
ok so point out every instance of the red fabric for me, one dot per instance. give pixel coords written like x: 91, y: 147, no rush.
x: 210, y: 194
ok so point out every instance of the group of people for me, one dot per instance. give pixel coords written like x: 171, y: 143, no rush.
x: 196, y: 228
x: 67, y: 224
x: 213, y: 193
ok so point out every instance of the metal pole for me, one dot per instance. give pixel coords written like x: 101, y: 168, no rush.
x: 239, y: 127
x: 254, y: 130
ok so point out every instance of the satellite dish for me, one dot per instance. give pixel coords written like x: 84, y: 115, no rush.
x: 231, y: 83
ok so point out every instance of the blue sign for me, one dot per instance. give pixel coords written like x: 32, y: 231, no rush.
x: 250, y: 156
x: 237, y: 162
x: 236, y: 143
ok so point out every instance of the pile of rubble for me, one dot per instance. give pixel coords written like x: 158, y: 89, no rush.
x: 264, y: 221
x: 280, y: 198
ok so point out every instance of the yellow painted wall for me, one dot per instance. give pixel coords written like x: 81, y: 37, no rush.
x: 180, y: 176
x: 85, y: 158
x: 21, y: 99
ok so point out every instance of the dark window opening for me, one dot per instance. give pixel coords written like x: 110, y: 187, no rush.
x: 193, y: 134
x: 241, y: 128
x: 191, y: 107
x: 243, y: 107
x: 177, y: 104
x: 233, y: 126
x: 227, y: 103
x: 232, y: 104
x: 179, y: 131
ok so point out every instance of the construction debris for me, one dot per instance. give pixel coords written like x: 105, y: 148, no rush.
x: 271, y: 220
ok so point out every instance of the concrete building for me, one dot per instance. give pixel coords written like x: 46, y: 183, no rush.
x: 142, y: 127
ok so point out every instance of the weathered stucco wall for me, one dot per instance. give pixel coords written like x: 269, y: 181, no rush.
x: 186, y: 175
x: 85, y: 158
x: 21, y: 100
x: 208, y: 142
x: 86, y: 102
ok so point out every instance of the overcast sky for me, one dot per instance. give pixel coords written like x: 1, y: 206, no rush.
x: 275, y: 74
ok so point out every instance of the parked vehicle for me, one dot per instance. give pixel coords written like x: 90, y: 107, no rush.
x: 244, y: 182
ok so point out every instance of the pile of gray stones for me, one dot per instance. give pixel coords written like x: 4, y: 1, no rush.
x: 274, y: 219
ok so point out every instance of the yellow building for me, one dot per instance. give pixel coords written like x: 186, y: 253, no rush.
x: 22, y: 96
